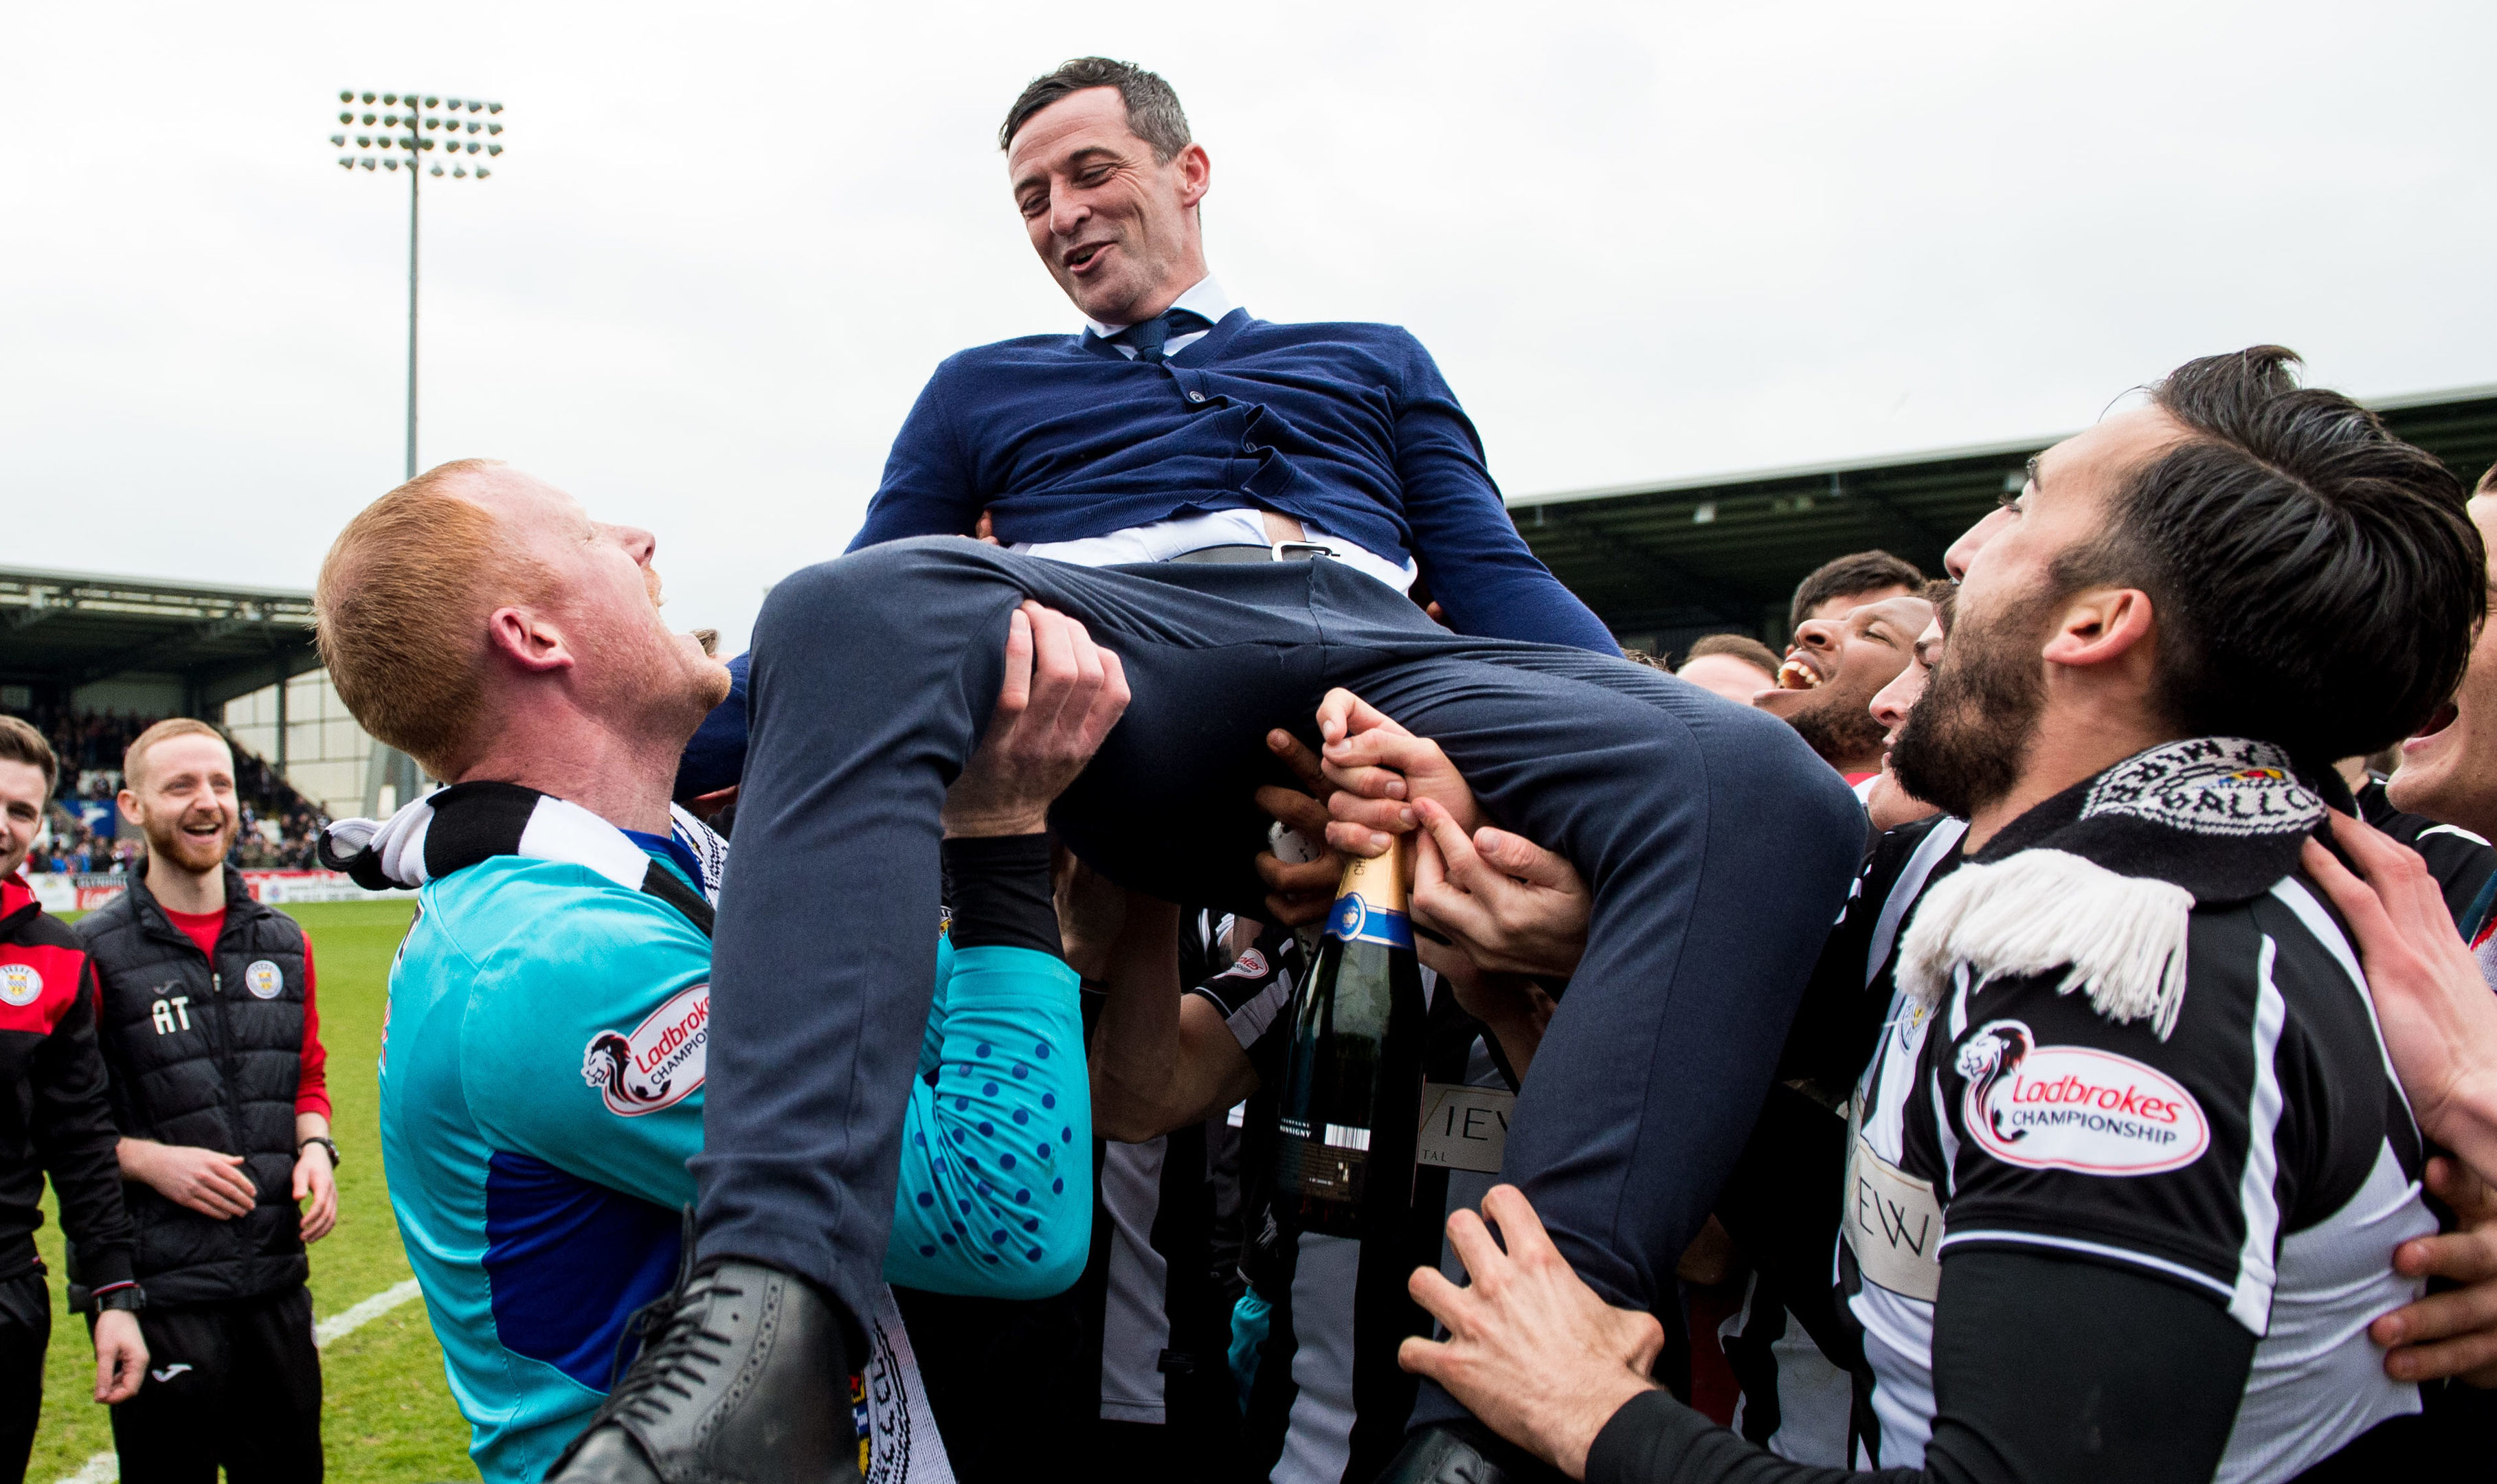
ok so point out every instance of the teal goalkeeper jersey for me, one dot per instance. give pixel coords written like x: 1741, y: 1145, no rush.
x: 542, y: 1089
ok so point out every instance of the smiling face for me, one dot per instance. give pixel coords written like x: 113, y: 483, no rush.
x: 2449, y: 770
x: 22, y: 812
x: 180, y: 794
x: 1827, y: 686
x: 1116, y: 228
x: 600, y: 601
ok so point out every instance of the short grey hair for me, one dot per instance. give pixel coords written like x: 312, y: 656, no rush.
x: 1153, y: 112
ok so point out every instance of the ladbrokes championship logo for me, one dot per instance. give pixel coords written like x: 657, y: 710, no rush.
x: 656, y: 1064
x: 2075, y: 1108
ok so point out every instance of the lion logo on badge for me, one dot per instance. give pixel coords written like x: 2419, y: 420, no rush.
x: 264, y: 980
x: 657, y: 1063
x: 19, y: 984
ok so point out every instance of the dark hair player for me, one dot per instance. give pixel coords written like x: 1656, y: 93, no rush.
x: 2135, y: 1088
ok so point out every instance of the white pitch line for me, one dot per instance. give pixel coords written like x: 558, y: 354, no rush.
x: 104, y: 1467
x: 347, y: 1321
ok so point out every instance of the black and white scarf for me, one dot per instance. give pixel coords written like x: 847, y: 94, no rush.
x: 467, y: 822
x: 2102, y: 880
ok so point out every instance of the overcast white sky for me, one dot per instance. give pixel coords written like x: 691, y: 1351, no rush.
x: 729, y: 242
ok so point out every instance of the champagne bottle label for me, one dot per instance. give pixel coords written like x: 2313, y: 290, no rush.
x: 1370, y: 905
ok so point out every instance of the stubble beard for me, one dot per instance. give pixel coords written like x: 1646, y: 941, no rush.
x: 1841, y: 730
x: 183, y: 852
x: 1961, y: 747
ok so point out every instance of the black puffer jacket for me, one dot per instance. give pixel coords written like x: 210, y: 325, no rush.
x: 212, y: 1056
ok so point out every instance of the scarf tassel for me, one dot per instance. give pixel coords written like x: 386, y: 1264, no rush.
x: 2120, y: 939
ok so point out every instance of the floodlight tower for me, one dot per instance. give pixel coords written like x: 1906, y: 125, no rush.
x: 402, y: 136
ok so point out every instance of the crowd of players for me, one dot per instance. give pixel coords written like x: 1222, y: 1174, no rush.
x: 2002, y: 1037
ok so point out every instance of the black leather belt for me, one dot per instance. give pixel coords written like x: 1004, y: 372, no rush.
x: 1250, y: 551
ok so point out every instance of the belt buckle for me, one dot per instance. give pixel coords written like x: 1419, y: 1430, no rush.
x: 1301, y: 550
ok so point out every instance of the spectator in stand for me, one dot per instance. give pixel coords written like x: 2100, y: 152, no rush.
x: 1842, y: 584
x: 211, y: 1031
x: 1735, y: 666
x: 53, y: 1120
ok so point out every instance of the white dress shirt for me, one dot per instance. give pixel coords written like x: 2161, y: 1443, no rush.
x: 1163, y: 540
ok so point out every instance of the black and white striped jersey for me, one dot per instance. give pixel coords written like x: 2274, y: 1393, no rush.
x: 2260, y: 1154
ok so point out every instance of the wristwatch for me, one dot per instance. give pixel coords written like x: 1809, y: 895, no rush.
x: 129, y: 1296
x: 325, y: 1144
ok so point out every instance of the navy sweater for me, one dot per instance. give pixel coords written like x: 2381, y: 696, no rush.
x: 1348, y: 426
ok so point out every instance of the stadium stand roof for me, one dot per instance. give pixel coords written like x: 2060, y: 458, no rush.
x: 60, y: 631
x: 1666, y: 562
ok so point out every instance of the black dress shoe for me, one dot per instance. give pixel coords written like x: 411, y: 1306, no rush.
x: 747, y: 1383
x: 1466, y: 1452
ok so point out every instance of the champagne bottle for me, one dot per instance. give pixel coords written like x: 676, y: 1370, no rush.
x: 1351, y: 1093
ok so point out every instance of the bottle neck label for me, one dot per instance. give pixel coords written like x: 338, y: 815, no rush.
x: 1370, y: 905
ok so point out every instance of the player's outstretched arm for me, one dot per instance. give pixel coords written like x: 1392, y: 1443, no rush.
x: 1541, y: 1359
x: 995, y: 1196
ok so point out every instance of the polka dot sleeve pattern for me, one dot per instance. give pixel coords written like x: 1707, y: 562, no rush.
x: 995, y: 1196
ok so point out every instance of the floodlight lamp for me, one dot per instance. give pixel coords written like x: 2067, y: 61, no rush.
x: 338, y: 140
x: 436, y: 170
x: 461, y: 172
x: 346, y: 118
x: 493, y: 149
x: 494, y: 128
x: 391, y: 119
x: 482, y: 172
x: 434, y: 123
x: 363, y: 142
x: 389, y: 164
x: 368, y: 120
x: 493, y: 107
x: 345, y: 163
x: 451, y: 103
x: 474, y: 126
x: 369, y: 97
x: 433, y: 103
x: 368, y: 162
x: 474, y: 106
x: 390, y: 98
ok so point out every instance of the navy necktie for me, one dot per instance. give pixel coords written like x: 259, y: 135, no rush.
x: 1148, y: 337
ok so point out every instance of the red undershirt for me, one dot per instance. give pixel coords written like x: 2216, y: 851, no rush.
x: 312, y: 1082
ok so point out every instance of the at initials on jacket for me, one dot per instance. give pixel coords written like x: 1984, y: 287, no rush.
x: 167, y: 1012
x: 205, y: 1050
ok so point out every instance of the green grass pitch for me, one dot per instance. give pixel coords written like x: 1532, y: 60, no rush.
x: 387, y: 1414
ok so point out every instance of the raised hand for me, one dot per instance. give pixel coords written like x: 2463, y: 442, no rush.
x: 1510, y: 904
x: 1061, y: 695
x: 1379, y: 770
x: 2438, y: 1018
x: 1531, y: 1350
x: 1298, y: 891
x: 2454, y: 1333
